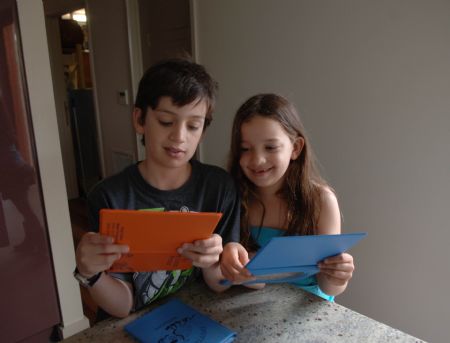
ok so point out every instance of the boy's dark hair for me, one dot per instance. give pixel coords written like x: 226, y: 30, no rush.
x: 180, y: 79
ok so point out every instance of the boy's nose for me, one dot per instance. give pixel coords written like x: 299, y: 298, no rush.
x: 178, y: 134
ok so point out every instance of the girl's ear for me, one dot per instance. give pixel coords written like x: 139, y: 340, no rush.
x: 137, y: 121
x: 298, y: 147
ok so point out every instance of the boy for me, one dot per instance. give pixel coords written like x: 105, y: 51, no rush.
x: 173, y: 108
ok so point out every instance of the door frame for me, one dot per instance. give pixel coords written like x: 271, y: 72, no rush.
x: 136, y: 65
x: 45, y: 129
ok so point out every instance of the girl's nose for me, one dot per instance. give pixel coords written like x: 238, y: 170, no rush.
x: 258, y: 159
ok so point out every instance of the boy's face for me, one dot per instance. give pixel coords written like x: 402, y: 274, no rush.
x: 172, y: 133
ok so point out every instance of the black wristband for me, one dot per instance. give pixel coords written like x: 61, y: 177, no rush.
x: 84, y: 281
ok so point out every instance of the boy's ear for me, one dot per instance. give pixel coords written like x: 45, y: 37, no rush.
x: 298, y: 147
x: 202, y: 136
x: 137, y: 121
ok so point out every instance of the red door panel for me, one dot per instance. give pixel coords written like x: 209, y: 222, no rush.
x: 28, y: 300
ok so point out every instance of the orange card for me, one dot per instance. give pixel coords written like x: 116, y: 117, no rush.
x: 154, y: 237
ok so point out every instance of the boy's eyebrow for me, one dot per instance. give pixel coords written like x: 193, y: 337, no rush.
x: 196, y: 116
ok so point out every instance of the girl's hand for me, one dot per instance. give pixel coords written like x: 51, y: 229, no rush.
x: 338, y: 269
x: 96, y: 253
x: 203, y: 253
x: 233, y: 261
x: 252, y: 254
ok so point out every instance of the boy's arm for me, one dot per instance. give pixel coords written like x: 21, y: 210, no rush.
x: 95, y: 254
x: 113, y: 295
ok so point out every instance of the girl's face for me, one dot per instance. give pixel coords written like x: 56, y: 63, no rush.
x: 266, y: 151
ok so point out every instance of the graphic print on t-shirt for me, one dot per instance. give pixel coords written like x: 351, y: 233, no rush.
x: 150, y: 286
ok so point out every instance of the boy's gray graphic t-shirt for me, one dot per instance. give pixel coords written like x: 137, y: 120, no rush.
x: 209, y: 189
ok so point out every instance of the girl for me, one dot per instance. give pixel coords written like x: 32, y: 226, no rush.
x: 281, y: 190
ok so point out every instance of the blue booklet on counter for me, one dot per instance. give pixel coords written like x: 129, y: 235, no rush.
x: 292, y: 258
x: 175, y: 321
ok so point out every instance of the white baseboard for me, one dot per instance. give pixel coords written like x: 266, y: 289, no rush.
x: 73, y: 328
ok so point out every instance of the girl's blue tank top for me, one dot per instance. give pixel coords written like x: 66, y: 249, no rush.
x: 263, y: 235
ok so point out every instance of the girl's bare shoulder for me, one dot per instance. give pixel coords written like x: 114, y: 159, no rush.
x: 327, y: 194
x: 329, y: 216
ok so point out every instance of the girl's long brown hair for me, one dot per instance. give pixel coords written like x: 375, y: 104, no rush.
x: 302, y: 187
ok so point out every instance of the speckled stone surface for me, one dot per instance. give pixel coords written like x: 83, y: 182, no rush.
x: 277, y: 313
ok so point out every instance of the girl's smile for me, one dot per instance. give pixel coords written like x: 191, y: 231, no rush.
x: 261, y: 172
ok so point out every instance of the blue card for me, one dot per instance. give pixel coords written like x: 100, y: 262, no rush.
x: 292, y: 258
x: 175, y: 321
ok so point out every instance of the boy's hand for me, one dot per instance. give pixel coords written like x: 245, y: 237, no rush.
x: 96, y: 253
x: 233, y: 261
x: 338, y: 269
x: 203, y: 253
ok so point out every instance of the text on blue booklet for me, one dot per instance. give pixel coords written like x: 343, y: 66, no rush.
x: 175, y: 321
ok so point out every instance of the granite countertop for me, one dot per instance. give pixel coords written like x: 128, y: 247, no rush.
x: 277, y: 313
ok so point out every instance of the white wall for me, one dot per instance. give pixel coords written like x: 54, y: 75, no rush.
x: 372, y: 81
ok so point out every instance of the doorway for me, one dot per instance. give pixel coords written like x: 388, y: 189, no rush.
x: 72, y: 77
